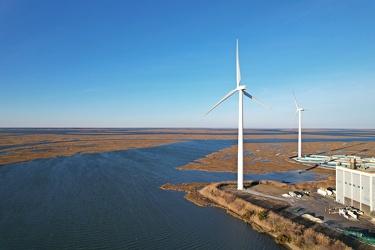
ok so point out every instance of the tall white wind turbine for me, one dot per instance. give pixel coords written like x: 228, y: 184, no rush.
x: 299, y: 110
x: 241, y: 91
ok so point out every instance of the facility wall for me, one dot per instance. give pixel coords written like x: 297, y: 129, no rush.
x: 347, y: 185
x: 339, y: 186
x: 366, y: 190
x: 355, y: 188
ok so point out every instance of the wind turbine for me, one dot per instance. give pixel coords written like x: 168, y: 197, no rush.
x: 299, y: 110
x: 241, y: 92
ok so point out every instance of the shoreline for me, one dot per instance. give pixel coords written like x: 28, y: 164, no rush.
x: 273, y: 221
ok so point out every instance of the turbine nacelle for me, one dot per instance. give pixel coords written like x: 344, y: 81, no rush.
x: 241, y: 87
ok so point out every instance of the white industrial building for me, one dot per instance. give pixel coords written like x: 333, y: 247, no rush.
x: 356, y: 187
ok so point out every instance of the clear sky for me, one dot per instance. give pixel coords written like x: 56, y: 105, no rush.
x: 165, y: 63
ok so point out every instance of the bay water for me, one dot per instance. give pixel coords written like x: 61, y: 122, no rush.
x: 113, y: 201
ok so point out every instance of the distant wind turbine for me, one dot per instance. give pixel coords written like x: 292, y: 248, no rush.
x: 299, y: 110
x: 241, y: 91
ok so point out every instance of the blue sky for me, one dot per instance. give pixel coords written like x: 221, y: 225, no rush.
x: 166, y: 63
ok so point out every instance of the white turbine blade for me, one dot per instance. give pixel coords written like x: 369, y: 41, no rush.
x: 238, y: 66
x: 253, y: 98
x: 295, y: 100
x: 223, y: 99
x: 293, y: 120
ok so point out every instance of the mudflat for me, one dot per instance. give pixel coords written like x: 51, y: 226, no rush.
x: 275, y: 157
x: 27, y: 145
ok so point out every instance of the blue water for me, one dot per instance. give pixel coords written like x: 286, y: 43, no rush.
x: 112, y: 201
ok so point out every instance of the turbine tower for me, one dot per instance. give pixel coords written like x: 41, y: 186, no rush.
x: 299, y: 110
x: 241, y: 92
